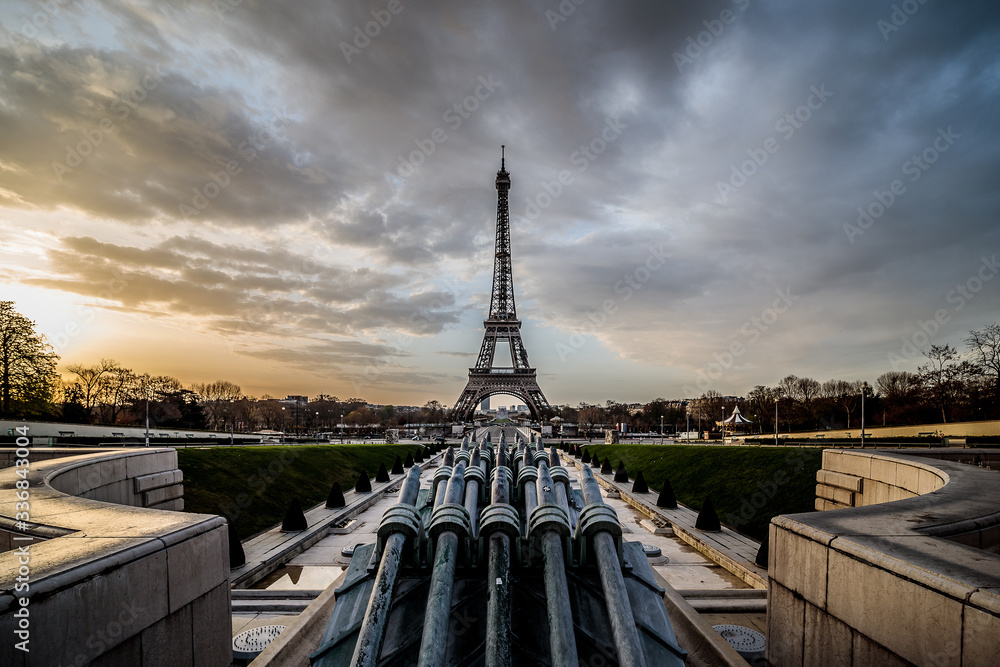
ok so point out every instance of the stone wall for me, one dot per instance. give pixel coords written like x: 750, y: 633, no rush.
x: 950, y: 429
x: 903, y: 569
x: 112, y: 580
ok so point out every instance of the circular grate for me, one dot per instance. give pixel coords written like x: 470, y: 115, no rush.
x: 249, y: 643
x: 651, y: 550
x: 748, y: 643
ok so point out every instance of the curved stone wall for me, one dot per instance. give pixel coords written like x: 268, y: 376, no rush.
x: 100, y: 573
x: 904, y: 569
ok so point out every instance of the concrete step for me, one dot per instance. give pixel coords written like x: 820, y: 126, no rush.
x: 275, y: 606
x: 728, y: 605
x: 744, y: 593
x: 274, y: 594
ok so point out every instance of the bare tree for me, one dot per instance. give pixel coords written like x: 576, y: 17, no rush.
x: 218, y: 401
x: 760, y: 405
x: 845, y: 395
x: 118, y: 388
x: 90, y: 381
x: 590, y: 415
x: 985, y: 347
x: 941, y: 375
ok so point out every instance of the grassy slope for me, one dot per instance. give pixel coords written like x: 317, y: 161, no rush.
x: 747, y: 485
x: 253, y: 486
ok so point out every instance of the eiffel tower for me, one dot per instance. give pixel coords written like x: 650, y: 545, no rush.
x: 501, y: 326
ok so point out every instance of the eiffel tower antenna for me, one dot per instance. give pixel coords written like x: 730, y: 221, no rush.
x: 501, y: 325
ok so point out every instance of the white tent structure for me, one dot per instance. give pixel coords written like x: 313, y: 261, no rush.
x: 735, y: 419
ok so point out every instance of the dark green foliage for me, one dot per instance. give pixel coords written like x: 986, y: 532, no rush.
x: 762, y: 553
x: 606, y: 467
x: 295, y: 519
x: 640, y: 486
x: 237, y: 556
x: 363, y: 485
x: 666, y: 499
x: 708, y: 519
x: 382, y: 475
x: 748, y: 485
x: 621, y: 475
x: 336, y: 497
x: 252, y: 486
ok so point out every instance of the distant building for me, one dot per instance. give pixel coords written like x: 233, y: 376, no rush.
x: 485, y: 405
x: 295, y: 400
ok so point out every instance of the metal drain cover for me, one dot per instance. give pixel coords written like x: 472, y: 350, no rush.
x: 747, y: 642
x: 248, y: 644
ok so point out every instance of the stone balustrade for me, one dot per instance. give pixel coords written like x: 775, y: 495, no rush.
x: 111, y: 577
x: 905, y: 568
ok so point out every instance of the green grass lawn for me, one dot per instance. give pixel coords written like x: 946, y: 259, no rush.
x: 747, y: 485
x: 252, y: 486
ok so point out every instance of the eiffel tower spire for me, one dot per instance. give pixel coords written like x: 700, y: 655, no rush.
x: 502, y: 326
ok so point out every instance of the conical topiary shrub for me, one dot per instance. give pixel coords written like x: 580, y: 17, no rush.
x: 397, y: 466
x: 762, y: 553
x: 419, y: 456
x: 237, y: 556
x: 408, y: 463
x: 707, y: 517
x: 606, y: 468
x: 666, y: 497
x: 295, y: 520
x: 336, y: 497
x: 586, y: 456
x: 621, y: 475
x: 364, y: 484
x: 640, y: 485
x: 382, y: 475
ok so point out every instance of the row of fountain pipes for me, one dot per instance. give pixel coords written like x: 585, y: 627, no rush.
x: 544, y: 486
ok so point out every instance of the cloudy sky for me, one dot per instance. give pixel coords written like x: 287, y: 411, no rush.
x: 298, y: 196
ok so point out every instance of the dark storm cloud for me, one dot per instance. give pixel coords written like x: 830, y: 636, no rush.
x: 736, y: 139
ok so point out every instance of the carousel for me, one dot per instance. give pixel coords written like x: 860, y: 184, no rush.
x: 733, y: 422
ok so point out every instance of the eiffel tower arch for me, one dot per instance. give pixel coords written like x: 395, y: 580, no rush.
x: 501, y: 326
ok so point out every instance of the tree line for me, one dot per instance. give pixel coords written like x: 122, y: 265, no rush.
x: 949, y: 386
x: 109, y: 393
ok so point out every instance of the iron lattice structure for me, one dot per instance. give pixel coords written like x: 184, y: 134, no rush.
x: 501, y: 326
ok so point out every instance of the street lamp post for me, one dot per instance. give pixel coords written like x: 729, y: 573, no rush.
x: 864, y: 390
x: 775, y: 421
x: 661, y: 429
